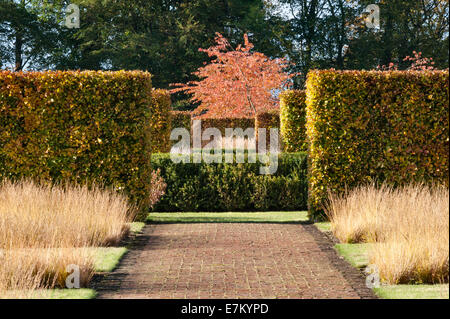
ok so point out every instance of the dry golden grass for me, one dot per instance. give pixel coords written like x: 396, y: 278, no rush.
x: 410, y: 226
x: 24, y: 270
x: 42, y: 229
x: 60, y: 216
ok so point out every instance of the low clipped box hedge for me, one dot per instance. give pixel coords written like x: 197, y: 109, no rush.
x: 367, y: 126
x: 293, y: 120
x: 81, y: 127
x: 206, y: 187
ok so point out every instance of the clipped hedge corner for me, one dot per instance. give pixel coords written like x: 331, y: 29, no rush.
x: 83, y: 127
x: 223, y: 123
x: 181, y: 119
x: 161, y: 121
x: 366, y: 126
x: 293, y: 121
x: 267, y: 120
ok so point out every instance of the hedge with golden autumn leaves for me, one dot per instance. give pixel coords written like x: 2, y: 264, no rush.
x: 78, y: 127
x: 267, y: 120
x: 223, y: 123
x: 293, y: 120
x: 366, y: 126
x: 161, y: 123
x: 181, y: 119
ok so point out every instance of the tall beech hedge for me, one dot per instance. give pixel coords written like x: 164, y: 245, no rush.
x: 366, y: 126
x: 181, y: 119
x: 161, y: 123
x: 80, y: 127
x: 293, y: 120
x: 223, y: 123
x: 267, y: 120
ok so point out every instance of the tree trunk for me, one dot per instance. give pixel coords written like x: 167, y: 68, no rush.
x: 340, y: 58
x: 386, y: 57
x: 311, y: 20
x: 18, y: 50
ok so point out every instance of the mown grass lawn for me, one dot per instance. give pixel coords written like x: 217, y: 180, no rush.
x: 229, y: 217
x: 83, y: 293
x: 356, y: 254
x: 323, y: 226
x: 106, y: 259
x: 413, y: 292
x: 136, y: 227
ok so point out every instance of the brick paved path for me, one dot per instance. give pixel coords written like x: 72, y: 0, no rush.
x: 233, y: 261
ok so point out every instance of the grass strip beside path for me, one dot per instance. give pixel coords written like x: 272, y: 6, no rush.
x: 413, y: 292
x: 323, y: 226
x: 356, y: 254
x: 82, y: 293
x: 106, y: 259
x: 229, y: 217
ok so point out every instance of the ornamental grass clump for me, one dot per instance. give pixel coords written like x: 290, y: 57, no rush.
x: 409, y: 224
x: 46, y: 232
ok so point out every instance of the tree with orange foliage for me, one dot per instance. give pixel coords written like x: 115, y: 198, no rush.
x: 237, y: 82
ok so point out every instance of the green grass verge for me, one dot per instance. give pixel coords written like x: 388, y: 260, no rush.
x: 231, y: 217
x: 83, y: 293
x: 413, y: 292
x: 66, y: 294
x: 323, y: 226
x: 106, y: 259
x: 356, y: 254
x: 136, y: 227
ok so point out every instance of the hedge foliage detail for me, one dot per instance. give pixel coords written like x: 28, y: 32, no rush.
x: 78, y: 127
x: 293, y: 120
x: 267, y: 120
x: 366, y: 126
x: 161, y: 123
